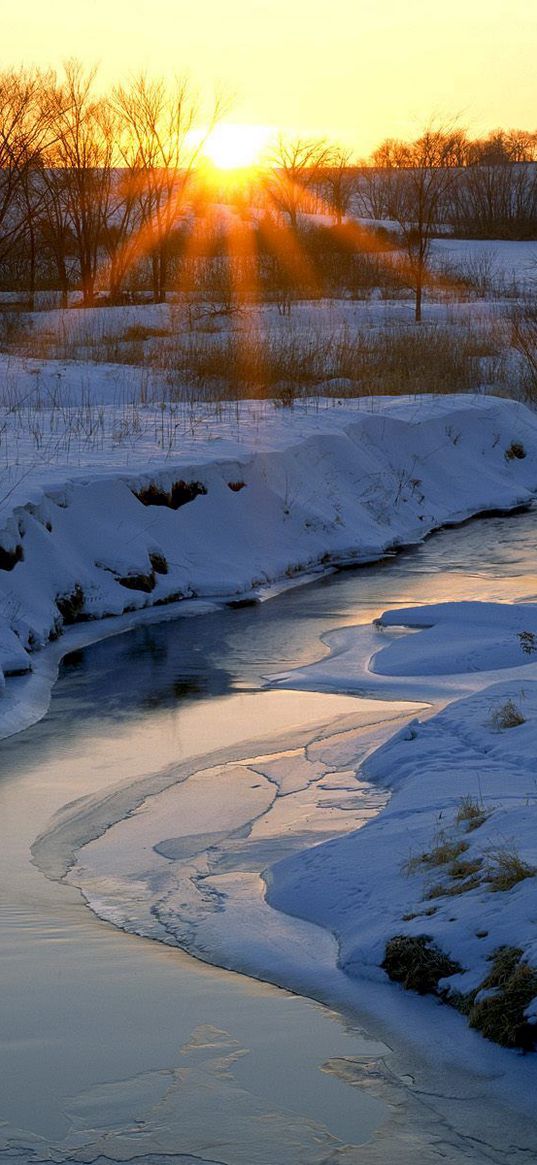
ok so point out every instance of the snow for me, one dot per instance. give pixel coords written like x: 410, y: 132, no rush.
x: 510, y: 260
x: 431, y: 767
x: 459, y: 637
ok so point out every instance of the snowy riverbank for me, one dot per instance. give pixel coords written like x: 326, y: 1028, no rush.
x: 261, y: 498
x: 449, y: 867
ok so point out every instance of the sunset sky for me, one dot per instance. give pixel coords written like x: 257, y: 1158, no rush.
x: 354, y: 70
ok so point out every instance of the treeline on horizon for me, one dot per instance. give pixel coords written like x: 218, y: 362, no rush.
x: 105, y: 192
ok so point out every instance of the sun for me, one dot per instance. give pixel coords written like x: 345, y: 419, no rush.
x: 236, y: 147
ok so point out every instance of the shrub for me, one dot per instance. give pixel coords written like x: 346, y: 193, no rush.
x: 528, y: 642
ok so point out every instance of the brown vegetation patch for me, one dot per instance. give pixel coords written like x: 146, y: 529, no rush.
x: 515, y: 451
x: 417, y: 963
x: 471, y: 813
x: 500, y: 1015
x: 505, y: 869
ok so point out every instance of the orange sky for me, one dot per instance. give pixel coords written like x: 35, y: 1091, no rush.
x: 354, y: 70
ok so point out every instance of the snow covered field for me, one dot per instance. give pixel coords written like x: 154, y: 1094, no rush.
x: 505, y: 262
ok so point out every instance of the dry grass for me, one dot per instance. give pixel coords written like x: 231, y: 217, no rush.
x: 471, y: 813
x: 462, y: 886
x: 445, y: 850
x: 508, y: 715
x: 233, y: 360
x: 497, y: 1008
x: 417, y: 963
x: 500, y: 1016
x: 460, y: 870
x: 505, y: 869
x: 524, y: 341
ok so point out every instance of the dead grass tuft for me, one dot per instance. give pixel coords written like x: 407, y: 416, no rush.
x: 417, y: 963
x: 461, y: 886
x: 508, y: 715
x: 471, y: 813
x: 444, y: 851
x: 500, y: 1016
x: 505, y: 869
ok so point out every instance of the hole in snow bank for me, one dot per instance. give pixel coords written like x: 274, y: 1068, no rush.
x: 179, y: 495
x: 10, y: 558
x: 236, y: 486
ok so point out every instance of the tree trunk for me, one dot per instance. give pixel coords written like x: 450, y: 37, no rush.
x: 419, y: 294
x: 155, y: 275
x: 32, y: 272
x: 162, y: 274
x: 88, y: 290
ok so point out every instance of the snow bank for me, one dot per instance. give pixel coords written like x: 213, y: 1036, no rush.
x: 452, y: 860
x: 236, y: 513
x: 457, y: 638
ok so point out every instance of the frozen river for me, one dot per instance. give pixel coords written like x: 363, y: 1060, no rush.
x: 115, y: 1047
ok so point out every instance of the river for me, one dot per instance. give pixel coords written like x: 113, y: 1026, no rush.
x: 116, y: 1047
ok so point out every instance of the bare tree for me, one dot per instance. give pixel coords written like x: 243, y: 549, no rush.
x: 121, y: 232
x: 340, y: 182
x: 79, y: 171
x: 159, y: 152
x: 495, y: 201
x: 25, y: 132
x: 418, y: 176
x: 54, y: 225
x: 297, y: 168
